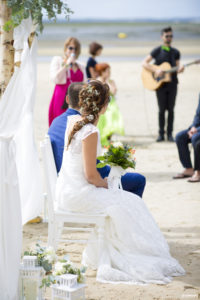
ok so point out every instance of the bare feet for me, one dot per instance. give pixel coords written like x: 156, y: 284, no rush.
x: 195, y: 177
x: 186, y: 173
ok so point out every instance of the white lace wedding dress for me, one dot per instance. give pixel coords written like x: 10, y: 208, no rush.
x: 135, y: 250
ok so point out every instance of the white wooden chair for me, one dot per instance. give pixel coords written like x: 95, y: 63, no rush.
x: 59, y: 220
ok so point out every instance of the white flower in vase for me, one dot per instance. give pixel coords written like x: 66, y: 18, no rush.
x: 50, y: 258
x: 59, y: 268
x: 50, y: 255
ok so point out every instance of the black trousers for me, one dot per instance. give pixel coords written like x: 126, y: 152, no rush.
x: 166, y: 97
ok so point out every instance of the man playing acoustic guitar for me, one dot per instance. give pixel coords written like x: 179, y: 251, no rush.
x: 166, y: 94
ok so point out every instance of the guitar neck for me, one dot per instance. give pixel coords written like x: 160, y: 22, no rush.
x: 174, y: 69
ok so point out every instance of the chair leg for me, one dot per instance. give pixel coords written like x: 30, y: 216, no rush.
x: 101, y: 232
x: 51, y: 234
x: 57, y: 231
x: 54, y: 233
x: 45, y: 207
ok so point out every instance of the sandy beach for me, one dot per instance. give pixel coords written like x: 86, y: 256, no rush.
x: 175, y: 204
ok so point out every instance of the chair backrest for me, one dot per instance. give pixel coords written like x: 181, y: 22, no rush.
x: 50, y: 173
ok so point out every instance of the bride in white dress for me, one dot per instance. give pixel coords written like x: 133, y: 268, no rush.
x: 135, y: 250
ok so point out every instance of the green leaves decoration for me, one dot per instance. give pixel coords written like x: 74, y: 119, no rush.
x: 43, y: 254
x: 66, y: 267
x: 36, y: 9
x: 48, y: 281
x: 47, y: 259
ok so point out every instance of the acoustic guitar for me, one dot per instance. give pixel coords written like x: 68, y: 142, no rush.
x: 151, y: 82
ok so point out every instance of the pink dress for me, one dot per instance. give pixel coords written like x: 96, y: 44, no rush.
x: 59, y: 94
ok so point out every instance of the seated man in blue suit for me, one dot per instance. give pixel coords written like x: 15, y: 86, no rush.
x: 183, y: 138
x: 132, y: 182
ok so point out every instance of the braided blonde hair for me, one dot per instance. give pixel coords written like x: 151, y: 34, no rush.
x: 92, y: 98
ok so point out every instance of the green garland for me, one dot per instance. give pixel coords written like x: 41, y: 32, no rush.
x: 63, y: 266
x: 36, y: 9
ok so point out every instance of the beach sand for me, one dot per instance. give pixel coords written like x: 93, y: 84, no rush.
x: 175, y: 204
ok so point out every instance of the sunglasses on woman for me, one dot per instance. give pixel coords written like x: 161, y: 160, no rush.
x: 72, y: 48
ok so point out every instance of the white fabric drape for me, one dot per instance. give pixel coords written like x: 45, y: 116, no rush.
x: 20, y: 178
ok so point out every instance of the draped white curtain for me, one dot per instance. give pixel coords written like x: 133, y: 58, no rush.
x: 20, y: 178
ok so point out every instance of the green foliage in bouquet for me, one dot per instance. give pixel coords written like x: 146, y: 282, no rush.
x: 117, y: 155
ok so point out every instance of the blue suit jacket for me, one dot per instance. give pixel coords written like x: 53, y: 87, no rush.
x: 57, y: 135
x: 196, y: 121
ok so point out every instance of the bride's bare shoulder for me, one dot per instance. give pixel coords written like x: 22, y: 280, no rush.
x: 72, y: 120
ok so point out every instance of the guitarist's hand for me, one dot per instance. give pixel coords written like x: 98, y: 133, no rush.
x: 159, y: 73
x: 181, y: 69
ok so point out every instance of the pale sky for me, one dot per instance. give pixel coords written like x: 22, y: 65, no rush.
x: 134, y: 9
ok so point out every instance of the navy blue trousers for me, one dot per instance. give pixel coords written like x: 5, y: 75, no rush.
x: 182, y: 142
x: 131, y: 182
x: 134, y: 183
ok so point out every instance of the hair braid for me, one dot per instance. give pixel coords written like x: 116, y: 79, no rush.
x: 92, y: 98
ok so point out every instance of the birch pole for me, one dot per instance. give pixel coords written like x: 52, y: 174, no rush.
x: 6, y: 48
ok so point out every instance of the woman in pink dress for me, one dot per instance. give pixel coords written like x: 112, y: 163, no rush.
x: 63, y: 71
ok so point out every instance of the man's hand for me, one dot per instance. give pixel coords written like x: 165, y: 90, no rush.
x: 181, y: 69
x: 159, y: 73
x: 192, y: 131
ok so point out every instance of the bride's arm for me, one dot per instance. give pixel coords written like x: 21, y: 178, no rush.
x: 89, y: 145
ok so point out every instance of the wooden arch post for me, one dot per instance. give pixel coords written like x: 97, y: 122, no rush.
x: 6, y: 48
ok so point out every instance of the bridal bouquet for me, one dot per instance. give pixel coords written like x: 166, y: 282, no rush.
x: 118, y: 155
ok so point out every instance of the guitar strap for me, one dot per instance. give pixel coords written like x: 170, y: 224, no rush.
x: 173, y: 64
x: 171, y: 58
